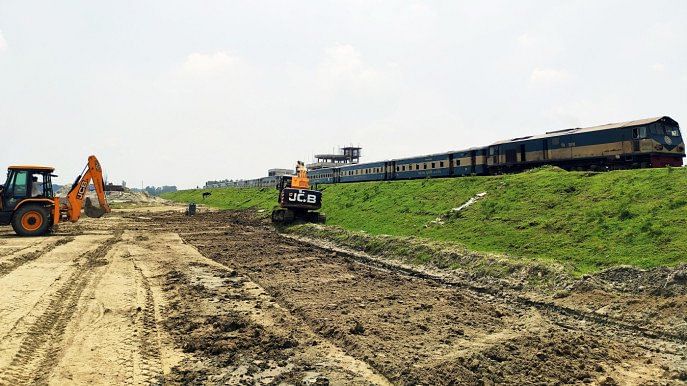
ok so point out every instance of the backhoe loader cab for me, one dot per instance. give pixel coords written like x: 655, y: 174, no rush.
x: 27, y: 198
x: 28, y: 203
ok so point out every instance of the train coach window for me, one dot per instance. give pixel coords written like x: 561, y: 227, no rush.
x: 457, y: 162
x: 433, y: 164
x: 417, y: 166
x: 424, y: 166
x: 441, y: 164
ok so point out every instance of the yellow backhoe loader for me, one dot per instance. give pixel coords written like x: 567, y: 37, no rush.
x: 28, y: 203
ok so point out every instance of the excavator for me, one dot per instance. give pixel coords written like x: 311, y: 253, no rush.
x: 297, y: 200
x: 28, y: 203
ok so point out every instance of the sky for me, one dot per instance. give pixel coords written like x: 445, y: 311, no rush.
x: 181, y: 92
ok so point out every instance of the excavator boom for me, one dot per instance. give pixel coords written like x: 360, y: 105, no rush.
x: 77, y: 195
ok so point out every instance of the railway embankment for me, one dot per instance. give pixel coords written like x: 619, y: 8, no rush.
x: 550, y: 219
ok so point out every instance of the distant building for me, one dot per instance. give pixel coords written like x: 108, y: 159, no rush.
x: 263, y: 182
x: 279, y: 172
x: 346, y: 155
x: 110, y: 187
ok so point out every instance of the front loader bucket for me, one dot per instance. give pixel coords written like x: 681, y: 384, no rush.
x: 93, y: 211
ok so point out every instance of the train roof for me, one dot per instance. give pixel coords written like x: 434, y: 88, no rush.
x: 578, y: 130
x: 363, y: 165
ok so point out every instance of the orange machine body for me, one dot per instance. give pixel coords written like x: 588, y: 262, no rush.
x: 71, y: 210
x: 300, y: 180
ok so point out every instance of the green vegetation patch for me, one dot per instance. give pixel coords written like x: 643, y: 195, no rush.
x: 228, y: 198
x: 585, y: 221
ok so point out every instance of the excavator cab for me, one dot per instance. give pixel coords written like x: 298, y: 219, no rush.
x: 27, y: 198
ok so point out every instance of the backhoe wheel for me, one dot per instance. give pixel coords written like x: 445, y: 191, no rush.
x: 31, y: 220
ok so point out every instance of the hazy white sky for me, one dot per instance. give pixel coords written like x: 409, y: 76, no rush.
x: 179, y: 92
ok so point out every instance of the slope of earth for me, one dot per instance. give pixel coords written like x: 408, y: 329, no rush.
x: 583, y: 221
x: 413, y: 330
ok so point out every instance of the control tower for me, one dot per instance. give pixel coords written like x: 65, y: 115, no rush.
x: 346, y: 155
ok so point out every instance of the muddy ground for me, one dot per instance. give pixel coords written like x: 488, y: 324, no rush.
x: 156, y: 297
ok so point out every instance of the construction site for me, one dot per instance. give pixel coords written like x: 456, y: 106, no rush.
x: 365, y: 281
x: 149, y: 294
x: 334, y: 193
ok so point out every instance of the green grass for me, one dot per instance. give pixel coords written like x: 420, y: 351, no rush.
x: 584, y: 220
x: 228, y: 198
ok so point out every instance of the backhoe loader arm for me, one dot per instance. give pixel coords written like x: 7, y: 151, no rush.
x: 77, y: 196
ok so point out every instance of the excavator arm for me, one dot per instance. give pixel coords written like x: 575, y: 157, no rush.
x: 300, y: 180
x: 77, y: 195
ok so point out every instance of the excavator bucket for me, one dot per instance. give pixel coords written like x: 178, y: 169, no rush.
x: 91, y: 210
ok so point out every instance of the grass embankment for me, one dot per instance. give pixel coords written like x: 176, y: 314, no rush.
x: 585, y: 221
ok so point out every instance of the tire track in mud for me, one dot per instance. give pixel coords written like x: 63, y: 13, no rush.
x: 13, y: 264
x: 41, y: 348
x: 150, y: 362
x: 557, y: 313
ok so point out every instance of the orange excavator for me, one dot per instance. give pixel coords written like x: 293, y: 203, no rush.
x: 28, y: 203
x: 296, y: 199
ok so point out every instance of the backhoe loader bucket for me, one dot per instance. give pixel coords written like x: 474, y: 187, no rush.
x: 93, y: 211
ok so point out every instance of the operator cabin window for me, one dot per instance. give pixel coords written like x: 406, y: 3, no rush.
x: 639, y: 132
x: 20, y: 185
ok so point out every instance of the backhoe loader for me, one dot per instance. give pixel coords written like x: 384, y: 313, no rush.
x: 296, y: 199
x: 28, y: 203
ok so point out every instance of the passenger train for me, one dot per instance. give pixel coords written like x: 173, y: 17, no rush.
x: 652, y: 142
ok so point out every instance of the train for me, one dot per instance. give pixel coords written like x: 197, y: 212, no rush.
x: 652, y: 142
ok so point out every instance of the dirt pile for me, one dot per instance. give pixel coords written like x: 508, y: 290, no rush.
x: 126, y: 198
x: 129, y: 197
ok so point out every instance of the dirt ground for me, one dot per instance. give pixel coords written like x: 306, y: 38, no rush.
x: 154, y: 297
